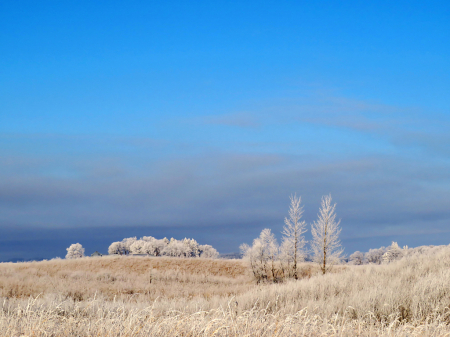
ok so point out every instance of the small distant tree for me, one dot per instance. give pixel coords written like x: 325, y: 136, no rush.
x: 357, y: 258
x: 75, y: 251
x: 375, y: 255
x: 208, y: 252
x: 325, y: 245
x: 293, y: 240
x: 394, y: 252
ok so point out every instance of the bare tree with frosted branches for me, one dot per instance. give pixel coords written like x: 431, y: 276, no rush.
x: 325, y: 246
x: 293, y: 239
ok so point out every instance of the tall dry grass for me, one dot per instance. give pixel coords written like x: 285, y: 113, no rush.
x: 102, y: 318
x: 406, y: 298
x: 144, y: 278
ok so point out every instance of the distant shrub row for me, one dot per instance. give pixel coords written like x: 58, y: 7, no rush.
x: 164, y: 247
x: 384, y: 255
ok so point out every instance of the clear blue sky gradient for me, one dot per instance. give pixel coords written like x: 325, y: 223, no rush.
x: 211, y: 113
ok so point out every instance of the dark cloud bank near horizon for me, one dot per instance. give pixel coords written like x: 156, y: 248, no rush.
x: 221, y: 199
x: 37, y: 244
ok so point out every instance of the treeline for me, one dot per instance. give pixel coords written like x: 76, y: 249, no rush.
x: 148, y: 245
x: 270, y: 261
x: 384, y: 255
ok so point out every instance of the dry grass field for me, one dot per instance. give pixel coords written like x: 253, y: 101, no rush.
x: 139, y: 296
x: 120, y: 277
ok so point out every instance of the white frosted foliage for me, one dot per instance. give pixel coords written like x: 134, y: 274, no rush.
x: 293, y: 243
x: 357, y: 258
x: 116, y: 248
x: 325, y: 245
x: 148, y: 245
x: 75, y: 251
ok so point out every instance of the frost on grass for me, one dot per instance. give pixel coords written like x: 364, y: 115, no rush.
x: 407, y: 297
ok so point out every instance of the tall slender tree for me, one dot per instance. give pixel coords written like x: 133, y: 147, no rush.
x: 325, y: 246
x: 293, y: 239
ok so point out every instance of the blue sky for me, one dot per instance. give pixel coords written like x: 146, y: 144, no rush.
x: 171, y: 118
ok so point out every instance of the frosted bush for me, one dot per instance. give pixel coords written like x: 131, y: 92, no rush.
x: 75, y: 251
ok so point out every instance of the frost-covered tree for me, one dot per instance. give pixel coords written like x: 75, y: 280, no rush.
x: 158, y: 246
x: 255, y: 257
x: 375, y: 256
x: 357, y: 258
x: 175, y: 248
x: 116, y: 248
x: 384, y: 255
x: 393, y: 253
x: 244, y: 248
x: 75, y: 251
x: 137, y: 247
x: 192, y: 248
x: 248, y: 255
x: 154, y: 247
x: 270, y: 247
x: 208, y: 252
x: 262, y: 255
x: 127, y: 242
x: 325, y: 245
x: 293, y: 241
x: 286, y: 259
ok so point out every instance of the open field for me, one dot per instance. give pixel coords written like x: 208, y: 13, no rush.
x: 126, y: 296
x: 121, y: 277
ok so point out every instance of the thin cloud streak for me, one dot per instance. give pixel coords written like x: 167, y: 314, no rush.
x: 397, y: 124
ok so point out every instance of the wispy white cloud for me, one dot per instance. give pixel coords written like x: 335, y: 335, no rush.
x: 402, y: 126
